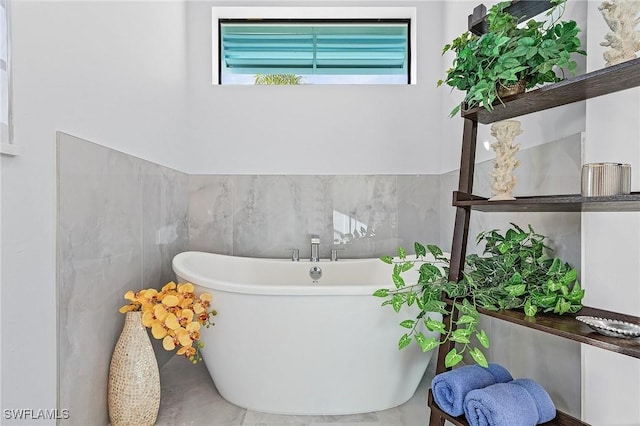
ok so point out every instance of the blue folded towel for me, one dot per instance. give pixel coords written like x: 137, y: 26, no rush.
x: 450, y: 388
x: 521, y: 402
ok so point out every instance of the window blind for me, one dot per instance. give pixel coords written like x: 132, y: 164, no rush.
x: 315, y: 48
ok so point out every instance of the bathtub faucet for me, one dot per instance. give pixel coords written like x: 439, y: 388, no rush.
x: 315, y: 248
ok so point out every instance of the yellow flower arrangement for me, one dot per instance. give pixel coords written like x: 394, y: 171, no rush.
x: 174, y: 315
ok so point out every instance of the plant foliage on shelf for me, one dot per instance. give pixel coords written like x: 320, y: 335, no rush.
x: 514, y: 272
x: 511, y: 51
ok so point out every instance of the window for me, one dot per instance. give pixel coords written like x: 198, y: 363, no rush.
x: 313, y: 46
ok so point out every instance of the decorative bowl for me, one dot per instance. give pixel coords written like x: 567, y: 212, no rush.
x: 610, y: 327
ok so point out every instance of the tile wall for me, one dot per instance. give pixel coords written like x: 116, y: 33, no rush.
x: 121, y: 220
x: 266, y: 216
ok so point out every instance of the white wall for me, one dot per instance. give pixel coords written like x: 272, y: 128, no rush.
x: 315, y: 129
x: 611, y: 247
x: 116, y: 73
x: 113, y: 72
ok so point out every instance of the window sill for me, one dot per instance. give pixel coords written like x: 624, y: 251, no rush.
x: 9, y: 149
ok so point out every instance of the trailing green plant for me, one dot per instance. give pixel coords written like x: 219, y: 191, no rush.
x: 511, y: 51
x: 514, y: 272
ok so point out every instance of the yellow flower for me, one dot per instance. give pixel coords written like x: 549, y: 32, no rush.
x: 148, y: 319
x: 203, y: 304
x: 129, y: 308
x: 148, y: 298
x: 171, y: 321
x: 185, y: 317
x: 185, y: 288
x: 194, y: 330
x: 170, y: 300
x: 186, y: 303
x: 184, y: 337
x: 168, y: 343
x: 160, y: 312
x: 168, y: 287
x: 174, y: 315
x: 130, y: 295
x: 187, y: 351
x: 158, y: 330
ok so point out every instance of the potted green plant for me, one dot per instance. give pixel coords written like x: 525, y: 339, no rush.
x: 514, y: 272
x: 511, y: 52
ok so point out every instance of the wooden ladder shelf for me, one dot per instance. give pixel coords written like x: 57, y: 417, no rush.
x: 611, y: 79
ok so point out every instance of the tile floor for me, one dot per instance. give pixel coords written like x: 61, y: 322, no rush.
x: 189, y: 397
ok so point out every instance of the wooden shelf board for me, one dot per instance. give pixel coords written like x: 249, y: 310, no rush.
x: 562, y: 419
x: 521, y: 9
x: 551, y: 203
x: 568, y: 327
x: 615, y: 78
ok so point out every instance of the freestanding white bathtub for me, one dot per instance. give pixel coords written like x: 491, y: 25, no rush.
x: 285, y: 344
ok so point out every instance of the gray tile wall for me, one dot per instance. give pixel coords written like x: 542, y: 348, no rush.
x: 122, y: 219
x: 120, y: 222
x: 265, y: 216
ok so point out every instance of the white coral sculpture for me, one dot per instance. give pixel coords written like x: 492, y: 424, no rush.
x: 624, y: 40
x: 502, y: 179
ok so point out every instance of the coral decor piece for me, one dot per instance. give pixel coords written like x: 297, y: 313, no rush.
x: 502, y: 178
x: 624, y: 39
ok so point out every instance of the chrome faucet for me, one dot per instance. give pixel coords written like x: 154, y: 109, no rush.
x: 315, y: 248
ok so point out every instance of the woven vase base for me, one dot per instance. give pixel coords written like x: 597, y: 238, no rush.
x: 134, y: 379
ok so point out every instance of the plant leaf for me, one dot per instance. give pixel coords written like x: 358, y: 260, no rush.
x: 452, y: 358
x: 515, y: 290
x: 467, y: 319
x: 529, y: 308
x: 402, y: 253
x: 433, y: 325
x: 553, y: 285
x: 426, y: 343
x: 479, y: 357
x: 562, y: 306
x: 387, y: 259
x: 404, y: 341
x: 430, y: 272
x: 516, y: 279
x: 407, y: 323
x: 411, y: 298
x: 382, y: 292
x: 483, y: 338
x: 569, y: 277
x: 406, y: 266
x: 398, y: 281
x: 396, y: 302
x: 459, y: 337
x: 435, y: 251
x: 554, y: 267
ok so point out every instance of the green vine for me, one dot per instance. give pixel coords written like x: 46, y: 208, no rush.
x: 514, y: 272
x: 511, y: 51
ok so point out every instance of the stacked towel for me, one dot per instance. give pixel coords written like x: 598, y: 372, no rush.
x: 451, y: 387
x: 521, y: 402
